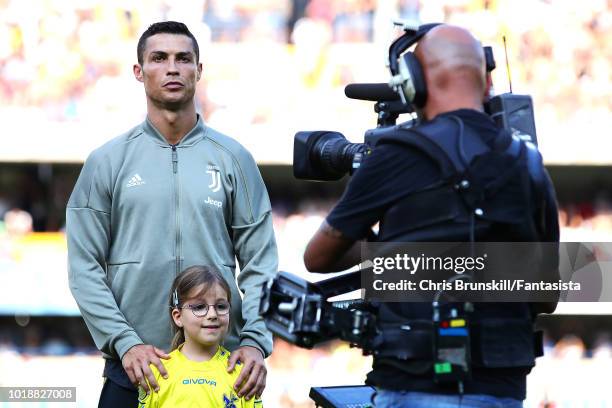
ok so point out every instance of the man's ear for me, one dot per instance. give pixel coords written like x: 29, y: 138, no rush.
x: 488, y: 86
x: 138, y: 73
x: 199, y: 71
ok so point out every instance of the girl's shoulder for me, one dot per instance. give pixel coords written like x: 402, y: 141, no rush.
x: 223, y: 354
x: 170, y: 364
x: 222, y: 359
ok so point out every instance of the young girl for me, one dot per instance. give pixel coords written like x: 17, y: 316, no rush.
x: 197, y: 370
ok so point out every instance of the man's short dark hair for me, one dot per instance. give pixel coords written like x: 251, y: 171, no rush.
x: 165, y: 27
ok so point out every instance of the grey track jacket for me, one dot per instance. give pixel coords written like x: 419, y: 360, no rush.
x: 143, y: 210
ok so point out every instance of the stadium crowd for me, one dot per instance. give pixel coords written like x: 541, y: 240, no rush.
x: 68, y: 61
x: 44, y: 337
x: 28, y: 208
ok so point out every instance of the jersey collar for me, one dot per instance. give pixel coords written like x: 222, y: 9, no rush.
x: 218, y: 355
x: 192, y: 137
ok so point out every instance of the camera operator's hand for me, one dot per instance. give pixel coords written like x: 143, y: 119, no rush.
x: 136, y: 364
x: 330, y: 251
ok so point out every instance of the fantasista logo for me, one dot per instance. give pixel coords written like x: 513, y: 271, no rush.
x: 199, y: 381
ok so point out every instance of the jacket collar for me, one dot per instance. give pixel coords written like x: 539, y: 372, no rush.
x: 192, y: 137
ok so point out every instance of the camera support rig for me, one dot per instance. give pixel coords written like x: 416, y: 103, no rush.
x: 298, y: 311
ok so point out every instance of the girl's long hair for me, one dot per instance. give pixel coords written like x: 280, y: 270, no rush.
x: 184, y: 283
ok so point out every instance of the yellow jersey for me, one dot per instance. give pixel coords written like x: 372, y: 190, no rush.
x: 196, y: 384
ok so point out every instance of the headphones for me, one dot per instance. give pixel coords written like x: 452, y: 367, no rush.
x: 407, y: 78
x: 413, y: 87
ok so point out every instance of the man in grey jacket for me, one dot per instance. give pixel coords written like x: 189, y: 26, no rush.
x: 167, y: 194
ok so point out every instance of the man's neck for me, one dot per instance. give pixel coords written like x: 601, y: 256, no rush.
x: 451, y: 102
x: 173, y: 125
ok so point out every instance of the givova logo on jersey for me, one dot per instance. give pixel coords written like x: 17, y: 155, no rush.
x: 199, y: 381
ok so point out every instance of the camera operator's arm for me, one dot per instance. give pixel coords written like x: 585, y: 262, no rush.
x: 330, y: 251
x: 386, y: 175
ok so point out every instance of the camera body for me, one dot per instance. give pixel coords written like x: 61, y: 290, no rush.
x: 328, y: 155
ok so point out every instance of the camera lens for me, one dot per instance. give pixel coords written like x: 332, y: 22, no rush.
x: 334, y: 154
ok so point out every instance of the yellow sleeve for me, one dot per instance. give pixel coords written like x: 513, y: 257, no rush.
x: 147, y: 401
x: 252, y: 403
x: 152, y: 399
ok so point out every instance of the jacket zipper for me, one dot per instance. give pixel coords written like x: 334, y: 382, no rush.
x: 177, y: 212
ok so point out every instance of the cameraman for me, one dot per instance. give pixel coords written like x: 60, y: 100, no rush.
x: 394, y: 187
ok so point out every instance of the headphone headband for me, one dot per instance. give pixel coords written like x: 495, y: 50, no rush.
x: 404, y: 42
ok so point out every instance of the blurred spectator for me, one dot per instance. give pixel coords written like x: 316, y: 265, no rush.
x: 225, y: 19
x: 55, y: 346
x: 602, y: 348
x: 6, y: 343
x: 297, y: 11
x: 32, y: 340
x: 17, y: 222
x: 570, y: 347
x: 4, y: 207
x: 353, y: 20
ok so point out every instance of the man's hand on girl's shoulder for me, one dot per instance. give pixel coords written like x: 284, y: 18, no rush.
x: 252, y: 379
x: 136, y: 364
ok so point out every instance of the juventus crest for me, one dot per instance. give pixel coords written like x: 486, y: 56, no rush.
x: 215, y: 178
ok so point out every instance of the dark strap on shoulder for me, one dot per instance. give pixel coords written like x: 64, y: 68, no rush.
x: 535, y: 167
x: 445, y: 140
x: 436, y: 140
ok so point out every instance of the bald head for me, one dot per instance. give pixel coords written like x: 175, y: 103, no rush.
x: 454, y: 66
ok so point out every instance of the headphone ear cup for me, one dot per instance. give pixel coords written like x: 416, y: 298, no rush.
x: 418, y: 79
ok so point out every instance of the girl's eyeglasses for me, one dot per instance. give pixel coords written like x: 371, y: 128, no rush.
x: 201, y: 310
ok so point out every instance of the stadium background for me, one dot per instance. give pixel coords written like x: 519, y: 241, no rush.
x: 271, y: 68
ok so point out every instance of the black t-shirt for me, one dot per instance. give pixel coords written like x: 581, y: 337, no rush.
x: 114, y: 371
x: 389, y: 173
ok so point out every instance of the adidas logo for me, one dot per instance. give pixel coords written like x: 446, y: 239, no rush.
x: 136, y: 180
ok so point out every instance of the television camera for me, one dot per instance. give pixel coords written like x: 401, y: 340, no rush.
x: 299, y: 311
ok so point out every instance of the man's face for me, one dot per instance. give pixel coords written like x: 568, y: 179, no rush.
x: 169, y: 70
